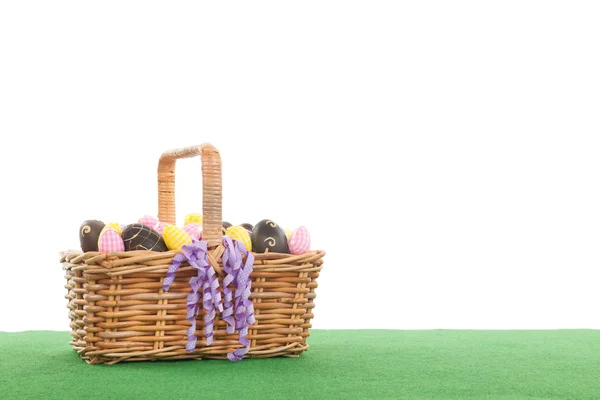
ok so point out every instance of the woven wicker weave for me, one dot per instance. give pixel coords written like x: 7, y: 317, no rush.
x: 119, y: 311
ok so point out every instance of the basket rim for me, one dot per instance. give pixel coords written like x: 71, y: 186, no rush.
x: 109, y: 261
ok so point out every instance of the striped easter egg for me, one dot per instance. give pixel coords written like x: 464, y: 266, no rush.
x: 194, y: 230
x: 299, y: 241
x: 110, y: 242
x: 140, y: 237
x: 160, y: 227
x: 240, y: 233
x: 148, y: 220
x: 175, y: 237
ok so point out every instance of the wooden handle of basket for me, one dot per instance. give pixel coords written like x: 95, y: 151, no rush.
x: 211, y: 189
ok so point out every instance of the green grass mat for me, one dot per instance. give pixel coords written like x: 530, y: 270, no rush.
x: 360, y: 364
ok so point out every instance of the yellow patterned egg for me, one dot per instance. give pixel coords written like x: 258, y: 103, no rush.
x: 192, y: 219
x: 175, y: 237
x: 113, y: 225
x: 240, y: 233
x: 288, y: 233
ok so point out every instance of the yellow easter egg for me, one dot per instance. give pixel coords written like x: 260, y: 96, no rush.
x: 288, y: 233
x: 240, y: 233
x: 192, y: 219
x: 175, y: 237
x: 113, y: 225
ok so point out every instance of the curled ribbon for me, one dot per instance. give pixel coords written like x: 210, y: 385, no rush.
x: 197, y: 256
x: 239, y: 310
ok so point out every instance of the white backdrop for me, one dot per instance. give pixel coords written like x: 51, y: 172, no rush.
x: 444, y: 154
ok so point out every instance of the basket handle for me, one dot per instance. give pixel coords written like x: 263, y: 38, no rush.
x: 211, y: 189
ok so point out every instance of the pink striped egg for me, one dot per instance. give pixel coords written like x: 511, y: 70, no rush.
x: 194, y: 230
x: 148, y: 220
x: 160, y: 227
x: 299, y: 241
x: 110, y: 242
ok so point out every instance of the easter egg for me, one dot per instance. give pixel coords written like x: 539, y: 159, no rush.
x: 192, y: 219
x: 299, y: 241
x: 267, y: 235
x: 247, y: 226
x: 194, y: 230
x: 226, y: 225
x: 148, y: 220
x: 160, y: 227
x: 288, y: 233
x: 140, y: 237
x: 110, y: 242
x: 175, y: 237
x: 89, y: 233
x: 113, y: 225
x: 240, y: 233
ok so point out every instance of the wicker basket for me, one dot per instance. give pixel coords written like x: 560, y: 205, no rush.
x: 120, y: 312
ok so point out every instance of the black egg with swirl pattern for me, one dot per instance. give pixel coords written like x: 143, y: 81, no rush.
x: 89, y: 233
x: 268, y: 236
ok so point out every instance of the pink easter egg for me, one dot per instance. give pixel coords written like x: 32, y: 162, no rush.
x: 160, y: 227
x: 194, y: 230
x: 299, y: 241
x: 110, y: 242
x: 148, y: 220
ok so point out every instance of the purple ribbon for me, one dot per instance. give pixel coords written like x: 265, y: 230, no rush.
x: 196, y: 254
x: 239, y: 310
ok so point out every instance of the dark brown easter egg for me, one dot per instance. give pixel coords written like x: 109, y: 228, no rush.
x: 89, y: 233
x: 141, y: 237
x: 267, y: 235
x: 225, y: 226
x: 250, y: 227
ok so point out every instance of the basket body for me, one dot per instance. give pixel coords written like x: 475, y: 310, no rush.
x: 119, y: 311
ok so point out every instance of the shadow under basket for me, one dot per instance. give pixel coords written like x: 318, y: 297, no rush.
x: 120, y: 312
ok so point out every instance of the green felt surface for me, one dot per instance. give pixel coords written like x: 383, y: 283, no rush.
x: 369, y: 364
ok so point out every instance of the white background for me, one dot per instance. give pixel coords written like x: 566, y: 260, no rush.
x: 444, y: 154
